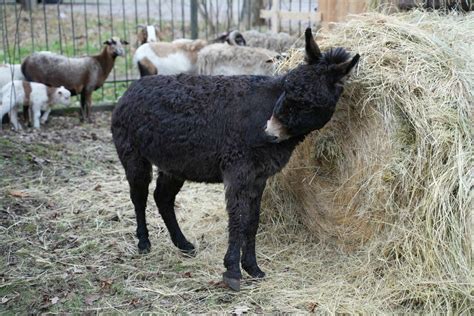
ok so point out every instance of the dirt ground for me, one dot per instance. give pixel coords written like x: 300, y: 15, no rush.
x: 67, y: 236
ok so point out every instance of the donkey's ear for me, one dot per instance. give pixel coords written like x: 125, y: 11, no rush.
x: 313, y: 53
x: 347, y: 66
x: 343, y: 69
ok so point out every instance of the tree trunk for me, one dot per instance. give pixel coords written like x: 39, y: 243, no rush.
x: 250, y: 13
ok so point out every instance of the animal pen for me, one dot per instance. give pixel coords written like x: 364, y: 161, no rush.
x: 371, y: 215
x: 77, y: 28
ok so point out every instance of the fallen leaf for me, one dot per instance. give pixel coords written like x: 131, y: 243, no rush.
x: 46, y: 303
x: 106, y: 284
x: 98, y: 188
x: 54, y: 300
x: 187, y: 275
x: 115, y: 218
x: 19, y: 194
x: 94, y: 136
x: 134, y: 301
x: 312, y: 307
x: 240, y: 310
x: 54, y: 215
x: 89, y: 300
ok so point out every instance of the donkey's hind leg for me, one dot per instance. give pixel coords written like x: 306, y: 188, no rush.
x: 138, y: 171
x: 167, y: 187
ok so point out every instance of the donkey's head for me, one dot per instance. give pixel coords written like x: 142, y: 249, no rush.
x: 311, y: 91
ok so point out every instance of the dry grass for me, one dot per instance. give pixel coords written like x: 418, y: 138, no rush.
x: 68, y: 245
x: 389, y: 178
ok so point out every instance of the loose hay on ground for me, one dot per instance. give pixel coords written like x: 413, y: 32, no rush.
x: 391, y: 174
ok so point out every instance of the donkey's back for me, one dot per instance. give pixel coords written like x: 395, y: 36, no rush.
x: 188, y: 125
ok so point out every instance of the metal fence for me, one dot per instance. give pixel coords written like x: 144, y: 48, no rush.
x: 79, y: 27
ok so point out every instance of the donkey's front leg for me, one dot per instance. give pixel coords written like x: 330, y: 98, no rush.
x: 238, y: 207
x: 249, y: 260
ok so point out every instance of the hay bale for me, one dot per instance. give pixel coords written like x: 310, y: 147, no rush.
x: 391, y: 174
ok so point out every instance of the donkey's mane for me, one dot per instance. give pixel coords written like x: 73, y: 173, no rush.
x: 335, y: 56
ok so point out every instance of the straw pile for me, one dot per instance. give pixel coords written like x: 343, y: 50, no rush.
x: 391, y: 175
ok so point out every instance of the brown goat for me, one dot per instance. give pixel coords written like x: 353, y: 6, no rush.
x: 80, y: 75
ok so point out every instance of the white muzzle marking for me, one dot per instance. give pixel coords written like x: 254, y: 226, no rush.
x: 276, y: 129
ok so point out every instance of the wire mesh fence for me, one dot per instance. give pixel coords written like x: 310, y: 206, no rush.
x: 79, y: 27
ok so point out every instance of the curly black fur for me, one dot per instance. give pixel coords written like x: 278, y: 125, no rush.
x: 212, y: 129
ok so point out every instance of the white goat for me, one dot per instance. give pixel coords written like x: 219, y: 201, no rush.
x: 38, y: 96
x: 8, y: 73
x: 223, y: 59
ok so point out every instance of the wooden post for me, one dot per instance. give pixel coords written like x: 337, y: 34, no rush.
x: 337, y: 10
x: 323, y: 9
x: 341, y: 9
x: 357, y: 6
x: 275, y: 16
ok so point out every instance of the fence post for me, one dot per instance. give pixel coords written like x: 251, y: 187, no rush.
x: 194, y: 19
x: 275, y: 16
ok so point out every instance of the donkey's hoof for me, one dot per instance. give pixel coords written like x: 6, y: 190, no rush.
x: 233, y: 284
x: 144, y: 247
x: 254, y: 272
x: 188, y: 249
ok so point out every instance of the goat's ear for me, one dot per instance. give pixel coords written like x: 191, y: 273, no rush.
x: 343, y: 69
x: 313, y: 53
x: 223, y: 37
x: 140, y: 26
x: 124, y: 42
x: 107, y: 42
x: 277, y: 58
